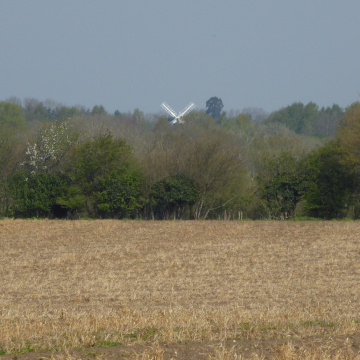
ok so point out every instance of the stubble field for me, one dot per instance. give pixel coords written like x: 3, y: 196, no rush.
x: 179, y: 290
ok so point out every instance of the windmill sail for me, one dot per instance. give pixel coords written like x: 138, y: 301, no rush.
x: 167, y: 108
x: 177, y: 118
x: 187, y: 109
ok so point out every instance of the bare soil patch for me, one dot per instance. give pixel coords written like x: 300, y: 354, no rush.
x: 179, y: 290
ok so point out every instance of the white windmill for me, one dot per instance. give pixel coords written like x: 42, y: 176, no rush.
x: 177, y: 118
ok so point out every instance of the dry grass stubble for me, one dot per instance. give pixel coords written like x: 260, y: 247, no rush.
x: 292, y: 286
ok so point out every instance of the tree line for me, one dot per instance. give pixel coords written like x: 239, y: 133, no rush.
x: 70, y: 162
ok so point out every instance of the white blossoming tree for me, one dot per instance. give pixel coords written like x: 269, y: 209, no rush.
x: 46, y: 152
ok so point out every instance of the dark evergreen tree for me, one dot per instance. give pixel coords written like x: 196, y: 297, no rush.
x: 213, y: 107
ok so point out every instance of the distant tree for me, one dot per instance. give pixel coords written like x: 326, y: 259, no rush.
x: 297, y: 117
x: 281, y: 185
x: 349, y: 137
x: 239, y: 125
x: 93, y: 162
x: 212, y: 158
x: 271, y: 140
x: 35, y: 111
x: 138, y: 116
x: 256, y: 114
x: 73, y: 201
x: 328, y: 121
x: 161, y: 125
x: 62, y: 113
x: 331, y: 186
x: 98, y: 110
x: 119, y: 194
x: 45, y: 153
x: 215, y: 160
x: 96, y: 157
x: 11, y: 114
x: 14, y: 100
x: 173, y: 195
x: 213, y: 107
x: 12, y: 150
x: 199, y: 120
x: 36, y: 196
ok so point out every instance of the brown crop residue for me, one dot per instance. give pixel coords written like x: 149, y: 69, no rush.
x: 179, y: 290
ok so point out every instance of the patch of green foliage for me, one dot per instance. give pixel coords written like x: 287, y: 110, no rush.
x: 149, y: 333
x: 306, y: 218
x: 318, y: 323
x: 109, y: 343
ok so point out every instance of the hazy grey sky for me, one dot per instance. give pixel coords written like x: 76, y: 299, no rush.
x: 127, y: 54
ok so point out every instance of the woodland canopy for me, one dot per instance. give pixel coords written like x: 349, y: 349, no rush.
x: 71, y: 162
